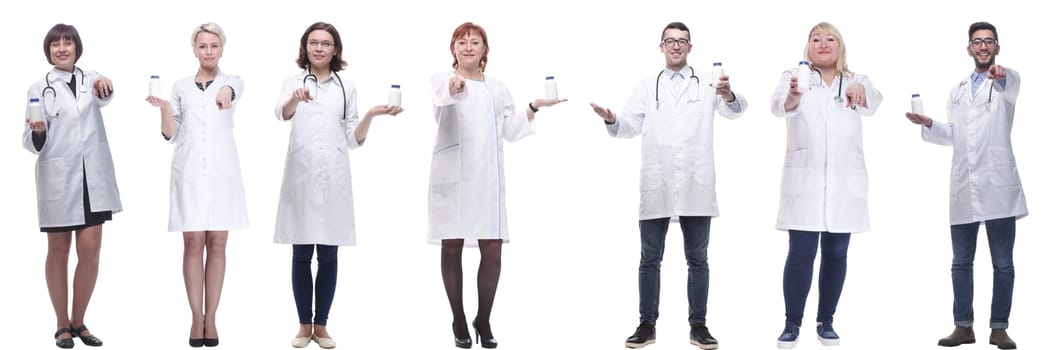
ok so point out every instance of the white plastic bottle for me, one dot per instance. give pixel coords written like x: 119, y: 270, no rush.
x: 803, y: 76
x: 394, y: 99
x: 36, y: 110
x: 917, y: 104
x: 155, y: 86
x: 717, y: 72
x: 551, y: 88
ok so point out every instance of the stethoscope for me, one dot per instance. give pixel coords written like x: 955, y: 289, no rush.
x: 839, y: 94
x: 311, y: 76
x: 989, y: 102
x: 657, y: 89
x: 83, y: 88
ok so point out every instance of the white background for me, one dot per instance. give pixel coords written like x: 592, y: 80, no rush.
x: 570, y: 273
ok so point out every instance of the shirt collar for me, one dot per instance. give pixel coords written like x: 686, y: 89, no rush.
x: 978, y: 78
x: 673, y: 75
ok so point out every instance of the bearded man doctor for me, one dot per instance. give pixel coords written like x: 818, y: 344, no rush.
x: 984, y: 186
x: 674, y: 112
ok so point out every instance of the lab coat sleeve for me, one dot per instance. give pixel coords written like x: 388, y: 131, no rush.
x: 939, y: 133
x: 516, y: 125
x: 176, y: 105
x: 440, y: 90
x: 27, y: 134
x: 1010, y: 88
x: 733, y: 110
x: 351, y: 123
x: 287, y: 89
x: 873, y: 97
x: 777, y: 101
x: 629, y: 122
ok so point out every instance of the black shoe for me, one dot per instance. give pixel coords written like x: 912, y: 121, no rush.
x: 645, y: 334
x: 486, y: 339
x: 461, y: 342
x: 211, y: 342
x: 960, y: 335
x: 64, y: 343
x: 196, y: 343
x: 700, y: 337
x: 89, y: 340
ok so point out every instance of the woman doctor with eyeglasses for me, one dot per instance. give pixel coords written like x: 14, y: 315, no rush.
x: 316, y: 208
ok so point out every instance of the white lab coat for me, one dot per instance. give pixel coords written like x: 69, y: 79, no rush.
x: 678, y: 163
x: 466, y: 190
x: 984, y: 182
x: 76, y: 145
x: 316, y: 204
x: 824, y: 183
x: 207, y: 192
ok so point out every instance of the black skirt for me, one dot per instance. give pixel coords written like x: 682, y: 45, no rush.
x: 90, y: 218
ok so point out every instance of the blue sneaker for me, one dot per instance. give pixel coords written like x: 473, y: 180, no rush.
x: 789, y: 337
x: 826, y: 334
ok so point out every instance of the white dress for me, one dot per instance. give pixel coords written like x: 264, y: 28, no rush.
x: 466, y: 199
x: 207, y: 193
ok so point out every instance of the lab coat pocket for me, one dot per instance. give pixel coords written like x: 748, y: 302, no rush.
x: 796, y: 158
x: 858, y: 183
x: 52, y: 178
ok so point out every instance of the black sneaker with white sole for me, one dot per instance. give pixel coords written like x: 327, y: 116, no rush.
x: 700, y: 337
x: 645, y: 334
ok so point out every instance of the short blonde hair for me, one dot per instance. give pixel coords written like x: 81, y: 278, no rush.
x: 841, y: 62
x: 211, y: 28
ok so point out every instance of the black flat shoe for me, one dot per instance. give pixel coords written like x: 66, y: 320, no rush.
x: 463, y: 343
x: 486, y: 339
x: 196, y: 343
x: 210, y: 342
x: 64, y: 343
x: 89, y: 340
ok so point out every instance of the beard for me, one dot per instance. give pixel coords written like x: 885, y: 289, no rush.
x: 983, y: 66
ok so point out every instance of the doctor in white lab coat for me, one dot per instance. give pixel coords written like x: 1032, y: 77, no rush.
x: 76, y: 185
x: 984, y: 186
x: 316, y: 207
x: 475, y: 115
x: 207, y: 195
x: 824, y: 184
x: 674, y: 111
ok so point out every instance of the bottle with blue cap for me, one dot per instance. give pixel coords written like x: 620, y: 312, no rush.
x: 394, y: 99
x: 36, y: 110
x: 917, y: 104
x: 155, y: 86
x: 717, y: 72
x: 551, y: 88
x: 803, y: 76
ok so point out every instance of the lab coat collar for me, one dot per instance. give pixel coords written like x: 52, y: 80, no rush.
x: 60, y: 76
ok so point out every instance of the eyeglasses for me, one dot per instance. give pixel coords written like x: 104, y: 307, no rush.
x: 676, y: 42
x: 324, y: 44
x: 990, y: 42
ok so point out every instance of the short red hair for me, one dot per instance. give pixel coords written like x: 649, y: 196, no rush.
x: 462, y: 31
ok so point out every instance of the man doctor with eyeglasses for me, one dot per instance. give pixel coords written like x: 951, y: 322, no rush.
x: 674, y: 112
x: 984, y: 183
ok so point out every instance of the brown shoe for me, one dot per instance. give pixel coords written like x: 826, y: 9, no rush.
x: 999, y: 338
x: 960, y: 335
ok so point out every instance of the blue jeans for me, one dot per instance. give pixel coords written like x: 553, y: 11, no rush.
x: 1001, y: 233
x: 695, y: 231
x: 799, y: 273
x: 312, y: 303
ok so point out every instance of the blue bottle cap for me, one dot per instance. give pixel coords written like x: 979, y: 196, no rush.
x: 804, y: 62
x: 550, y: 78
x: 717, y: 64
x: 155, y: 77
x: 915, y: 95
x: 395, y: 86
x: 33, y: 99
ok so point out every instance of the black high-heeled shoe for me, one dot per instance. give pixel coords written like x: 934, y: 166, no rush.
x: 463, y: 343
x: 486, y: 339
x: 89, y: 340
x: 64, y: 343
x: 196, y: 343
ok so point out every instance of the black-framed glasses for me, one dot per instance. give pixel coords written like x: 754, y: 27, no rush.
x: 675, y: 42
x: 990, y: 42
